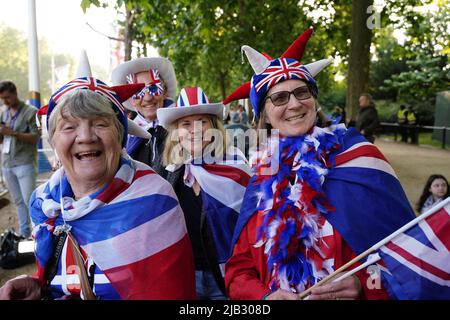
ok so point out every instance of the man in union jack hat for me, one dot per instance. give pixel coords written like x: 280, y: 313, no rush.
x: 160, y: 89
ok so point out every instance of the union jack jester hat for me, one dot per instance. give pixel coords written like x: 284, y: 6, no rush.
x: 116, y: 95
x: 269, y: 72
x: 192, y: 100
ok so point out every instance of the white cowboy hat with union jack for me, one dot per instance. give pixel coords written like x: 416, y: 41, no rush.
x: 121, y: 73
x: 192, y: 100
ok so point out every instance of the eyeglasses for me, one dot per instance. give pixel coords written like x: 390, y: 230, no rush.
x: 282, y: 97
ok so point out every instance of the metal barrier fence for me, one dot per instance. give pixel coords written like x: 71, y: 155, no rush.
x: 413, y: 131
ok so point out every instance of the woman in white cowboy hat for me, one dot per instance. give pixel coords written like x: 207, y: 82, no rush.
x: 316, y: 193
x: 160, y: 90
x: 209, y: 179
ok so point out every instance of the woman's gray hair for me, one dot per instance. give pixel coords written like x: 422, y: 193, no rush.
x: 84, y: 104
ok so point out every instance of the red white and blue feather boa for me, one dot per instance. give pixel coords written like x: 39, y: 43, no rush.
x: 292, y: 201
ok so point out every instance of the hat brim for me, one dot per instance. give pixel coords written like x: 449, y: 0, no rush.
x: 167, y: 116
x: 163, y: 65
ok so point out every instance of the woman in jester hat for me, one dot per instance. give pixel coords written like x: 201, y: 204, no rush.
x: 105, y: 226
x: 316, y: 195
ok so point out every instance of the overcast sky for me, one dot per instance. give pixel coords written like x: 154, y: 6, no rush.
x: 63, y: 24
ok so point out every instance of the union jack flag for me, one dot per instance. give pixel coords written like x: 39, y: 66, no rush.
x: 282, y: 69
x: 418, y: 260
x: 369, y: 202
x: 133, y: 229
x: 90, y: 84
x: 192, y: 96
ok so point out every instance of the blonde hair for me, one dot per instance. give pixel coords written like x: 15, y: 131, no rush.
x: 172, y: 156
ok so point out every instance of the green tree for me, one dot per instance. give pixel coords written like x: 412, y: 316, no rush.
x: 14, y: 62
x: 203, y: 38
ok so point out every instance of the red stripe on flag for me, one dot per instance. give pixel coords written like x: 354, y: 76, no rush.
x: 116, y: 187
x: 141, y: 173
x: 363, y: 151
x: 439, y: 222
x: 192, y: 96
x: 229, y: 172
x: 166, y: 275
x: 418, y: 262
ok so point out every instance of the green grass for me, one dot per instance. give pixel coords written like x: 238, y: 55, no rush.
x: 425, y: 138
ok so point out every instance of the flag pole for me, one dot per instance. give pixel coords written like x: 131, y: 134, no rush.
x: 33, y: 57
x: 378, y: 245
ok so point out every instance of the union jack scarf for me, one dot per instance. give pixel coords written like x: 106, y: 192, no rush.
x: 222, y: 185
x: 292, y: 200
x: 133, y: 229
x: 153, y: 88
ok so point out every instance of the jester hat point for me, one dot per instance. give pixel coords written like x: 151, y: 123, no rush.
x: 269, y: 72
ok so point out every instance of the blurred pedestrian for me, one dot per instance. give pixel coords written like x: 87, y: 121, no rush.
x: 367, y: 119
x: 338, y: 115
x: 411, y: 120
x: 20, y: 134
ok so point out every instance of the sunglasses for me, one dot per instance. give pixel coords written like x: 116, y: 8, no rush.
x: 152, y: 89
x: 282, y: 97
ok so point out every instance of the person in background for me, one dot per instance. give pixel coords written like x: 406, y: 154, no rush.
x: 209, y: 178
x: 19, y: 134
x: 435, y: 190
x: 338, y: 115
x: 241, y: 116
x: 160, y: 90
x: 367, y: 119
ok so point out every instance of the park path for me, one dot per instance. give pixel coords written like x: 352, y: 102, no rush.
x: 412, y: 164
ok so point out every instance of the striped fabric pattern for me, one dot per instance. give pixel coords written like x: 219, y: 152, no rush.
x: 133, y: 229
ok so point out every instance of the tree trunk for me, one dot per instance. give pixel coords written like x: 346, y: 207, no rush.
x: 359, y: 58
x: 128, y: 33
x: 223, y: 88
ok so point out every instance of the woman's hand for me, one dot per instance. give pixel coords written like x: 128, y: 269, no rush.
x: 21, y: 288
x: 282, y: 295
x: 347, y: 289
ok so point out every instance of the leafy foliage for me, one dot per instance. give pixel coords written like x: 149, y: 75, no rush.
x: 203, y: 40
x: 14, y: 62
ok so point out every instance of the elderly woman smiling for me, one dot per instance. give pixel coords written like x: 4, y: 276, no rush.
x: 106, y: 226
x: 86, y: 137
x: 294, y: 227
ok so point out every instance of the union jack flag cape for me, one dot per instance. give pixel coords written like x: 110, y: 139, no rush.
x: 133, y: 229
x: 368, y: 200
